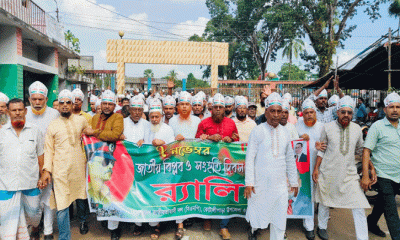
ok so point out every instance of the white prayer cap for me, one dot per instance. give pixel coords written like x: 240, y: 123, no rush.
x: 78, y: 94
x: 136, y: 102
x: 121, y: 96
x: 308, y: 103
x: 287, y: 97
x: 273, y: 99
x: 333, y: 100
x: 98, y: 103
x: 155, y: 106
x: 66, y: 94
x: 218, y: 99
x: 185, y: 97
x: 37, y: 88
x: 93, y: 99
x: 141, y: 95
x: 210, y: 100
x: 169, y: 101
x: 241, y: 101
x: 285, y: 104
x: 346, y: 101
x: 229, y: 101
x: 323, y: 93
x: 202, y: 95
x: 392, y: 98
x: 157, y: 95
x: 4, y: 98
x: 108, y: 96
x: 197, y: 100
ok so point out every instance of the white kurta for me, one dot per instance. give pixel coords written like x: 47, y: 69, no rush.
x: 292, y: 131
x: 269, y: 163
x: 187, y: 129
x: 338, y: 182
x: 135, y: 131
x: 165, y: 133
x: 314, y: 133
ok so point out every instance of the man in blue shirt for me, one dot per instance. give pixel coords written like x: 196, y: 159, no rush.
x: 362, y: 110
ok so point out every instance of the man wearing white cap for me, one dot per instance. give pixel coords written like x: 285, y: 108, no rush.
x: 325, y: 114
x: 93, y: 100
x: 77, y: 107
x: 218, y: 128
x: 21, y: 160
x: 244, y: 124
x: 338, y: 184
x: 198, y: 106
x: 229, y: 107
x: 269, y: 163
x: 209, y: 107
x: 310, y: 130
x: 108, y: 127
x: 41, y: 115
x: 292, y: 113
x: 3, y: 109
x: 65, y: 161
x: 168, y: 108
x: 135, y: 127
x: 383, y: 142
x: 285, y: 122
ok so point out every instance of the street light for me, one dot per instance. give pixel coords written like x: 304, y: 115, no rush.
x: 121, y: 34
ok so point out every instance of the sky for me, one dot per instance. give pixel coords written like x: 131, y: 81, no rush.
x: 175, y: 20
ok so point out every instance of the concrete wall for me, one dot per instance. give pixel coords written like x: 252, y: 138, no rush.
x: 47, y: 56
x: 8, y: 45
x: 30, y: 50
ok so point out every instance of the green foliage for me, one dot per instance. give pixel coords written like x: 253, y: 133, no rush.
x: 292, y: 72
x: 72, y: 41
x: 192, y: 82
x: 394, y: 8
x: 148, y: 73
x: 76, y: 69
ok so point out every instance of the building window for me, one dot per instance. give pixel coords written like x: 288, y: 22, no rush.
x: 25, y: 3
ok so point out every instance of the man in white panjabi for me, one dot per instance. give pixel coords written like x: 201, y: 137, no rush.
x: 243, y: 123
x: 285, y: 120
x: 3, y: 109
x: 93, y: 100
x: 269, y: 164
x: 309, y: 129
x: 41, y: 115
x: 335, y: 172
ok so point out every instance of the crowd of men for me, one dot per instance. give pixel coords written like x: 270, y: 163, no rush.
x: 43, y: 165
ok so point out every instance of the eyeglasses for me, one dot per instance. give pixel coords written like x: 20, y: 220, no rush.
x: 64, y: 102
x: 348, y: 112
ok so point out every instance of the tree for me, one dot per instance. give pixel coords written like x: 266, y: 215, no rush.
x: 292, y: 47
x: 74, y: 41
x: 193, y: 82
x: 292, y: 72
x: 325, y: 23
x: 148, y: 73
x: 394, y: 10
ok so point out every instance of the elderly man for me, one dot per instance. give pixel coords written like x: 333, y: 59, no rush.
x: 21, y: 160
x: 169, y: 105
x: 310, y: 130
x: 209, y: 107
x: 335, y: 172
x: 77, y: 107
x: 218, y: 128
x: 252, y: 111
x: 93, y: 100
x: 3, y: 109
x: 292, y: 112
x: 108, y: 127
x: 65, y: 161
x: 244, y: 124
x: 269, y: 163
x: 198, y: 106
x: 229, y: 107
x: 285, y: 122
x: 383, y: 142
x: 41, y: 116
x: 185, y: 124
x: 135, y: 127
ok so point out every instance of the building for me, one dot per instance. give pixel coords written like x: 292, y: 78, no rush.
x: 132, y: 83
x: 33, y: 48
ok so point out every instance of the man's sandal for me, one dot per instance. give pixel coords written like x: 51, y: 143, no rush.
x: 155, y: 232
x: 179, y: 233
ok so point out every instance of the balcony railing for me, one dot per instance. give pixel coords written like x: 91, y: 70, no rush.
x: 27, y: 11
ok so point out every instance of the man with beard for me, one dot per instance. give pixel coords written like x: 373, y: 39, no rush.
x: 65, y: 161
x: 218, y: 128
x: 168, y: 108
x: 310, y: 130
x: 284, y: 120
x: 93, y: 100
x: 325, y: 114
x: 383, y: 142
x: 77, y: 106
x: 41, y: 116
x: 21, y: 160
x: 292, y: 112
x: 269, y: 164
x: 3, y: 109
x: 185, y: 124
x: 244, y: 124
x: 198, y: 108
x: 252, y: 111
x: 124, y: 102
x: 108, y: 127
x: 229, y: 106
x: 335, y: 172
x: 209, y: 108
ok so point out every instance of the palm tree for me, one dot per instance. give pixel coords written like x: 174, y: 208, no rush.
x: 394, y: 10
x: 172, y: 75
x: 292, y: 47
x: 148, y: 73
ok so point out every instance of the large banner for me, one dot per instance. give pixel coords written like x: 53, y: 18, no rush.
x: 175, y: 181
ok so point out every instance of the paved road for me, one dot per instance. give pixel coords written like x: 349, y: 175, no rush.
x: 340, y: 227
